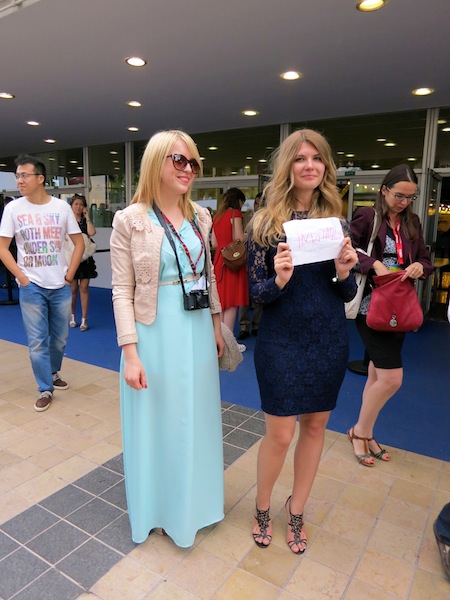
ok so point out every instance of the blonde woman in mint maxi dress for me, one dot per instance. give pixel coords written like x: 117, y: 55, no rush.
x: 169, y: 378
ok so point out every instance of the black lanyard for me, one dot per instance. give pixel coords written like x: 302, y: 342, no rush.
x: 165, y: 226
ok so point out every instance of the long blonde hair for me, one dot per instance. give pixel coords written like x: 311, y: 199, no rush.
x: 280, y: 194
x: 158, y: 148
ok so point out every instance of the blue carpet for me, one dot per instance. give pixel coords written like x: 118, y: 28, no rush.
x: 416, y: 419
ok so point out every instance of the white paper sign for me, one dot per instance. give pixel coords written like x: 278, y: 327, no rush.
x: 314, y: 240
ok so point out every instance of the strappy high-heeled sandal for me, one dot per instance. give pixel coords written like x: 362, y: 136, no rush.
x: 295, y: 526
x: 361, y: 458
x: 262, y: 518
x: 382, y: 453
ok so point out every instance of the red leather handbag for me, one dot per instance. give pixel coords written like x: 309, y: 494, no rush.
x: 394, y: 305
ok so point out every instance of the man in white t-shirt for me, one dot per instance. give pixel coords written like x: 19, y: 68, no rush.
x: 39, y: 223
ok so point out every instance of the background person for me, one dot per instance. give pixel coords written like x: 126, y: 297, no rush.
x: 169, y: 377
x: 232, y: 285
x: 87, y: 269
x: 39, y: 223
x: 302, y: 347
x: 249, y: 324
x: 398, y: 245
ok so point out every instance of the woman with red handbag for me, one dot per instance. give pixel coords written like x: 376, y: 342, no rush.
x: 398, y: 246
x: 232, y: 285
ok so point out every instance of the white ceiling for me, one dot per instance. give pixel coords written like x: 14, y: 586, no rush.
x: 207, y: 61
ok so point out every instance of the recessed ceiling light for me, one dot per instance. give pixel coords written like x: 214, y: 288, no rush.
x: 349, y: 155
x: 134, y: 103
x: 80, y: 168
x: 6, y: 96
x: 441, y: 121
x: 375, y: 166
x: 445, y: 129
x: 33, y: 123
x: 115, y: 162
x: 135, y: 61
x: 74, y: 162
x: 50, y: 141
x: 424, y: 91
x: 213, y: 148
x: 2, y: 164
x: 250, y: 113
x: 249, y: 158
x: 202, y: 158
x: 116, y: 168
x: 412, y: 159
x: 133, y: 128
x: 340, y: 152
x: 114, y: 152
x: 61, y: 166
x: 369, y: 5
x: 262, y: 160
x: 291, y: 75
x: 390, y: 144
x: 51, y: 158
x: 381, y: 139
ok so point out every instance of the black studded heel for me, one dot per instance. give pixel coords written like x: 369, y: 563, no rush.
x: 295, y: 526
x: 263, y: 519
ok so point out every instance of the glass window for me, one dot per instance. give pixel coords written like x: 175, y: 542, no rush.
x: 64, y: 167
x: 372, y: 142
x: 237, y: 151
x: 106, y: 182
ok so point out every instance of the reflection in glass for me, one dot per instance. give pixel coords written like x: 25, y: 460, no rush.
x: 106, y: 182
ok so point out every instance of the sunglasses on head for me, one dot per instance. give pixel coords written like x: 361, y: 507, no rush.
x: 180, y: 162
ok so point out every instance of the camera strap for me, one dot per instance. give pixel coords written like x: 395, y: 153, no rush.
x: 169, y: 235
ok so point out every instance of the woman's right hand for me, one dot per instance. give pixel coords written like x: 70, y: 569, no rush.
x: 379, y: 268
x: 134, y: 373
x: 283, y: 265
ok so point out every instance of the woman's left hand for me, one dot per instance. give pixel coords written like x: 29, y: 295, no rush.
x: 413, y: 271
x: 220, y: 343
x: 346, y: 260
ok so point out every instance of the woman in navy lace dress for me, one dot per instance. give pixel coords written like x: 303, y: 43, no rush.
x: 302, y: 348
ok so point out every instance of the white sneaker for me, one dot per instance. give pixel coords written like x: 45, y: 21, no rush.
x: 72, y: 322
x: 242, y: 347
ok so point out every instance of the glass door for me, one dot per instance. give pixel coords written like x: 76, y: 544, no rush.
x: 436, y: 236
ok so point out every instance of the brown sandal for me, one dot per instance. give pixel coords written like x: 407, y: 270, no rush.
x: 383, y: 454
x: 263, y: 519
x: 295, y: 526
x: 361, y: 458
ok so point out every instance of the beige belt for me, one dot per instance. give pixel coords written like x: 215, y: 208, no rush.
x: 193, y: 278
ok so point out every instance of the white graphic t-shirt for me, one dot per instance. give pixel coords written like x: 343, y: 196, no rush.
x: 39, y: 230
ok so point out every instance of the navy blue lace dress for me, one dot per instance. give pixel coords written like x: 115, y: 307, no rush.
x: 301, y: 351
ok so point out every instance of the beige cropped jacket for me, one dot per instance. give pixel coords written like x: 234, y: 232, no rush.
x: 135, y: 259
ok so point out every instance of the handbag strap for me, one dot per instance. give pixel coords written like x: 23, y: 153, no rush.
x: 232, y: 226
x: 368, y: 252
x: 372, y: 236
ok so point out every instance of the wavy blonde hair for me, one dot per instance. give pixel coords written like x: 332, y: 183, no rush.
x: 158, y: 148
x: 280, y: 194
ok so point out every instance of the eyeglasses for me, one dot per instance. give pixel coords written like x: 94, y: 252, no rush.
x: 24, y: 175
x: 401, y: 197
x: 180, y: 162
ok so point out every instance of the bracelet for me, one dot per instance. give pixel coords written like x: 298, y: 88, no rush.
x: 88, y: 222
x: 68, y: 280
x: 335, y: 279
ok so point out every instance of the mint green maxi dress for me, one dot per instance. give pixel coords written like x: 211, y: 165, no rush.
x: 172, y: 431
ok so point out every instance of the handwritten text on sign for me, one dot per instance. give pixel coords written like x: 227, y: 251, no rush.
x: 314, y: 240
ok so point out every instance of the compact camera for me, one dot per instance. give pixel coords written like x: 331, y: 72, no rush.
x: 196, y: 299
